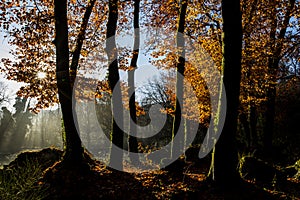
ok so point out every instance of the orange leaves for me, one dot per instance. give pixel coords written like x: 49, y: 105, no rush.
x: 34, y: 33
x: 31, y: 35
x: 84, y: 53
x: 73, y: 2
x: 139, y: 109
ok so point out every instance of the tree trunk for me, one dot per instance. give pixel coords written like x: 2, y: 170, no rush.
x: 178, y: 148
x: 273, y: 65
x: 133, y: 144
x: 224, y: 159
x: 73, y: 148
x: 116, y: 156
x: 80, y: 40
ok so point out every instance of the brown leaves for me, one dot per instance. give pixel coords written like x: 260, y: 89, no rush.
x: 30, y: 30
x: 33, y: 50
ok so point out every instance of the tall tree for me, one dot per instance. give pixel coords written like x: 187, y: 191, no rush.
x: 224, y: 159
x: 116, y: 155
x: 22, y: 118
x: 133, y: 145
x: 65, y: 78
x: 34, y: 54
x: 276, y: 45
x: 73, y: 147
x: 180, y: 68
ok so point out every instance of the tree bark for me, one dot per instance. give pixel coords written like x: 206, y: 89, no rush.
x: 224, y: 160
x: 72, y: 147
x: 133, y: 144
x: 116, y: 156
x: 79, y: 41
x: 179, y: 80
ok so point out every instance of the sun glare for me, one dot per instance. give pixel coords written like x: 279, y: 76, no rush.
x: 41, y: 75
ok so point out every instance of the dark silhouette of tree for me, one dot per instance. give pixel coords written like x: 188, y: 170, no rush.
x: 116, y: 156
x: 22, y: 118
x: 156, y: 91
x: 180, y: 68
x: 6, y: 120
x: 273, y: 66
x: 65, y: 77
x: 6, y: 123
x: 72, y: 142
x: 225, y: 158
x: 133, y: 144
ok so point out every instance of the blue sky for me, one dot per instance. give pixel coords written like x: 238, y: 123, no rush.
x: 13, y: 86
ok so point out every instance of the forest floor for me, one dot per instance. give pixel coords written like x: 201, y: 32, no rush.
x: 96, y: 181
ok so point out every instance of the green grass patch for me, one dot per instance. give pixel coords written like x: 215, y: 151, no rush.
x: 21, y: 182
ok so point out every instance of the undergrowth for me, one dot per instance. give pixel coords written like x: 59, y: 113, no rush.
x: 21, y: 182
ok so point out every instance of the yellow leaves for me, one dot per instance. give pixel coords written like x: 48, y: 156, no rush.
x: 139, y: 110
x: 33, y: 42
x: 84, y: 53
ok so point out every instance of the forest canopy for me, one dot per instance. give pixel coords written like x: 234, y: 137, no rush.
x: 227, y: 83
